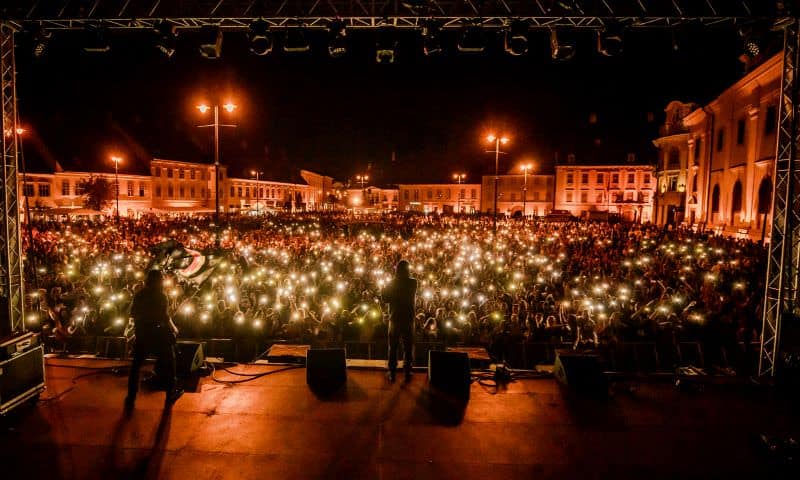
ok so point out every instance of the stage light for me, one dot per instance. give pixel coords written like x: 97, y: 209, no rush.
x: 609, y: 42
x: 559, y: 49
x: 337, y: 43
x: 516, y: 38
x: 472, y: 40
x: 211, y: 42
x: 296, y: 41
x: 384, y: 47
x: 40, y: 39
x: 750, y: 42
x: 96, y: 39
x: 431, y: 38
x: 166, y: 37
x: 259, y: 38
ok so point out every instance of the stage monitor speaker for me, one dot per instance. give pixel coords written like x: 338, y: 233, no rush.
x: 189, y: 358
x: 21, y: 378
x: 326, y: 368
x: 449, y: 371
x: 580, y: 371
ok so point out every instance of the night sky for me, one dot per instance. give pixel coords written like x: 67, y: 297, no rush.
x: 343, y: 116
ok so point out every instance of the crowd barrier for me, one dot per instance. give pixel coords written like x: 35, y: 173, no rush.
x: 628, y: 357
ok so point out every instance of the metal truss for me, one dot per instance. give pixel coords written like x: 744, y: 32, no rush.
x: 11, y: 285
x: 238, y: 14
x: 780, y: 299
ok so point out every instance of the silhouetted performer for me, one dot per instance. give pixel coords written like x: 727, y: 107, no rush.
x: 400, y: 295
x: 155, y: 334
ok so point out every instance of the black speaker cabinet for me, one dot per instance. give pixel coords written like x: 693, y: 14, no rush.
x: 189, y: 358
x: 326, y: 368
x: 449, y: 371
x: 581, y: 371
x: 21, y: 378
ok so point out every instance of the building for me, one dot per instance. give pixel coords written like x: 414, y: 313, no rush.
x: 370, y: 199
x: 624, y: 189
x: 672, y: 168
x: 173, y: 187
x: 730, y: 148
x: 532, y: 193
x: 321, y: 192
x: 440, y: 197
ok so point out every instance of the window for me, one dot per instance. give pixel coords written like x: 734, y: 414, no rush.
x: 694, y: 184
x: 233, y: 192
x: 28, y: 190
x: 239, y: 191
x: 631, y: 178
x: 473, y: 194
x: 247, y: 192
x: 416, y: 194
x: 715, y: 199
x: 720, y: 139
x: 438, y: 194
x: 261, y: 192
x: 430, y: 194
x: 615, y: 178
x: 646, y: 179
x: 674, y: 159
x: 513, y: 196
x: 65, y: 187
x: 569, y: 197
x: 672, y: 183
x: 191, y: 174
x: 181, y: 191
x: 628, y: 196
x: 644, y: 197
x: 141, y: 189
x: 158, y: 172
x: 584, y: 197
x: 130, y: 189
x: 631, y: 157
x: 181, y: 173
x: 598, y: 198
x: 584, y: 178
x: 191, y: 191
x: 405, y: 195
x: 570, y: 179
x: 169, y: 173
x: 740, y: 127
x: 170, y: 191
x: 600, y: 178
x: 158, y: 190
x: 44, y: 189
x: 698, y: 148
x: 771, y: 120
x: 536, y: 196
x: 462, y: 193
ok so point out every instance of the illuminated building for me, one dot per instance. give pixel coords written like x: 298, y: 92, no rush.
x: 370, y: 199
x: 510, y: 190
x: 439, y: 197
x: 729, y: 149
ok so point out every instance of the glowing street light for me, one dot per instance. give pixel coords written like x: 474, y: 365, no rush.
x: 525, y: 169
x: 362, y: 179
x: 116, y: 159
x: 497, y: 140
x: 204, y: 108
x: 257, y: 174
x: 459, y: 177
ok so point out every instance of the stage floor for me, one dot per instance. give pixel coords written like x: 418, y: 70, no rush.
x: 276, y: 428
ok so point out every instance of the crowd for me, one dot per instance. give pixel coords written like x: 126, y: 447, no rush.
x: 308, y: 277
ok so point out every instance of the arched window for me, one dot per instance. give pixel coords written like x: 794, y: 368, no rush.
x: 765, y: 195
x: 715, y: 199
x: 736, y: 199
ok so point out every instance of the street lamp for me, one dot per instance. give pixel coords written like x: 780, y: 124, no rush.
x: 497, y: 140
x: 116, y: 159
x: 459, y: 177
x: 525, y: 169
x: 204, y: 108
x: 362, y: 179
x: 257, y: 174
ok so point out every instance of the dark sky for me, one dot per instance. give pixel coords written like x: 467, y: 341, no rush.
x: 341, y: 116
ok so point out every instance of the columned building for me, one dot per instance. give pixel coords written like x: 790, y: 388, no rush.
x: 672, y: 168
x: 623, y: 189
x: 532, y: 192
x: 730, y: 147
x: 439, y: 197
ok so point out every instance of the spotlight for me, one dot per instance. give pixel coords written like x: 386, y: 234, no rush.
x: 609, y: 42
x: 211, y: 42
x: 431, y: 38
x: 472, y: 40
x: 40, y: 39
x: 259, y: 38
x: 166, y: 37
x: 296, y: 41
x: 337, y: 43
x: 560, y: 50
x: 516, y: 38
x: 750, y: 42
x: 96, y: 39
x: 384, y: 47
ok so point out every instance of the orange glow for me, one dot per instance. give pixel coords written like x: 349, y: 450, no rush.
x: 203, y: 108
x: 491, y: 137
x: 229, y: 106
x: 504, y: 140
x: 20, y: 130
x: 527, y: 167
x: 116, y: 159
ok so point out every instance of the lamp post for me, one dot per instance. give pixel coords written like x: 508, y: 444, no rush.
x: 204, y: 108
x: 362, y: 179
x: 459, y: 177
x: 525, y: 169
x: 116, y: 159
x: 497, y: 140
x: 257, y: 174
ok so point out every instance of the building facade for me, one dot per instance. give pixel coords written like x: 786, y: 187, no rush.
x: 626, y: 190
x: 439, y: 197
x: 529, y: 195
x: 370, y: 199
x: 730, y: 148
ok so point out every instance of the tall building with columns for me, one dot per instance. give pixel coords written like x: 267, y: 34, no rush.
x: 722, y: 156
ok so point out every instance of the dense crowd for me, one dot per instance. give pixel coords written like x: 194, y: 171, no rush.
x: 311, y: 277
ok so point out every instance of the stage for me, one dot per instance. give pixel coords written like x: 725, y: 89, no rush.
x: 276, y: 428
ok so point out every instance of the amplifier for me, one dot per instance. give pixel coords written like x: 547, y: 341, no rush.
x: 17, y: 344
x: 21, y: 378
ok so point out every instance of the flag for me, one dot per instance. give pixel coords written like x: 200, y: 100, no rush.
x: 192, y: 265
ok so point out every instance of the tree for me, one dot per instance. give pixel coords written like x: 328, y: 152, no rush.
x: 97, y: 192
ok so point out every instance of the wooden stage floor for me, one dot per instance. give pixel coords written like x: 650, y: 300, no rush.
x: 276, y: 428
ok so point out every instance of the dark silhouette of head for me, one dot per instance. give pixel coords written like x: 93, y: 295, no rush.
x: 154, y: 279
x: 403, y: 269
